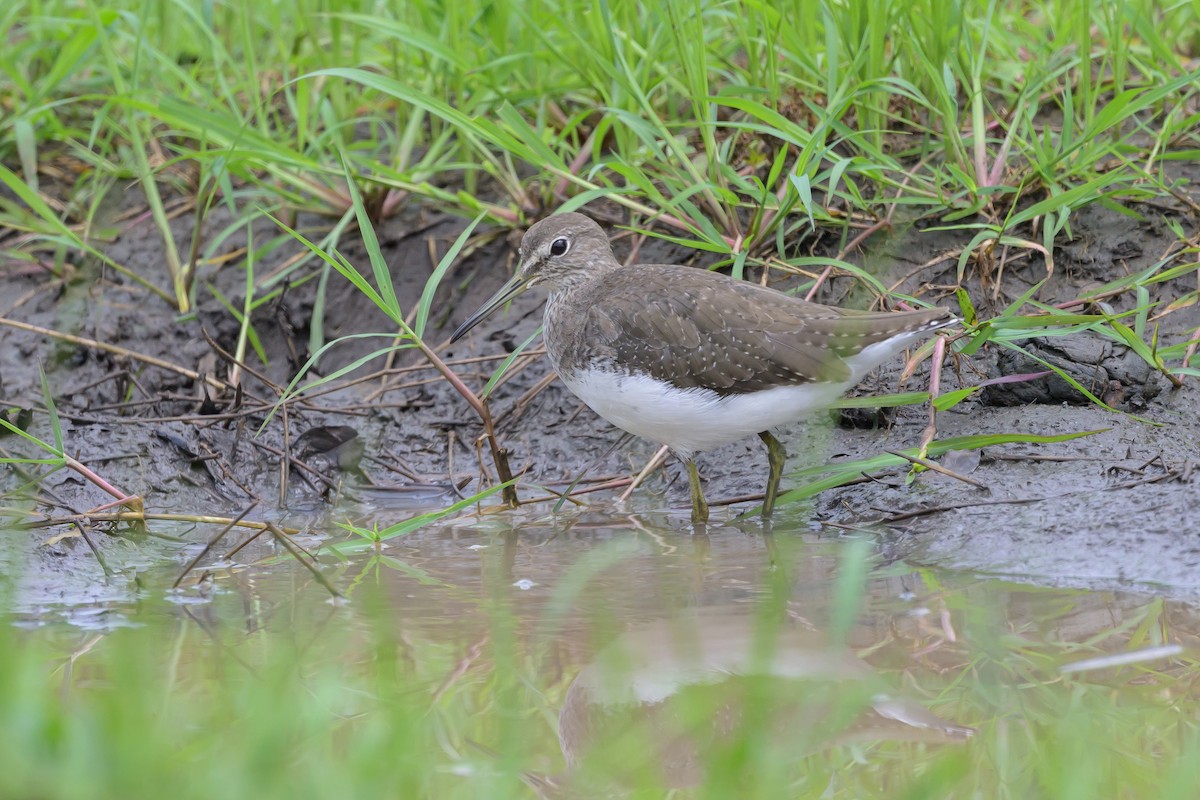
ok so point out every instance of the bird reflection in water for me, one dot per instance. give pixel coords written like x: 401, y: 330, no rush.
x: 659, y: 700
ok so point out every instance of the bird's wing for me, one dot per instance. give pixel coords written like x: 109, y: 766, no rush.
x: 715, y: 333
x: 706, y: 330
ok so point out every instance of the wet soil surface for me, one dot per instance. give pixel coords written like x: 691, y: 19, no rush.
x: 1114, y: 509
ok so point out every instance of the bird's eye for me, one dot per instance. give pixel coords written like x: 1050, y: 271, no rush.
x: 559, y: 246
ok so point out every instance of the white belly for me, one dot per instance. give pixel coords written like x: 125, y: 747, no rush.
x: 693, y: 420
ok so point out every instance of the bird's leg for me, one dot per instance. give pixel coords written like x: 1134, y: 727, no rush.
x: 699, y: 504
x: 776, y: 456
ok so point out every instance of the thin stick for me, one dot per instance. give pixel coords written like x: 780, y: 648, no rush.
x: 659, y: 459
x: 296, y: 552
x: 116, y: 350
x: 936, y: 467
x: 521, y: 403
x: 146, y: 516
x: 239, y: 364
x: 108, y: 573
x: 213, y: 542
x: 1021, y: 500
x: 285, y: 459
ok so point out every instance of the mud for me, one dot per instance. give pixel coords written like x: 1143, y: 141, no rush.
x: 1116, y: 509
x: 1112, y: 372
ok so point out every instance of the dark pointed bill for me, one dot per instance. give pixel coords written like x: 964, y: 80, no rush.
x: 507, y: 292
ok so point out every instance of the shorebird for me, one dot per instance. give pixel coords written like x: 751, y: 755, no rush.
x: 690, y: 358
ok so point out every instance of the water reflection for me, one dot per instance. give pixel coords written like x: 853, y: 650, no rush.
x: 663, y: 640
x: 684, y: 686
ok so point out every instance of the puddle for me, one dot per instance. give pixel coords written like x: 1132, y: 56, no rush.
x: 605, y: 652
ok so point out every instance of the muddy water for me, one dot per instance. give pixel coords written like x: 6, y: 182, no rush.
x: 639, y: 646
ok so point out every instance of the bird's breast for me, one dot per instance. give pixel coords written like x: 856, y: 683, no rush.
x: 690, y: 420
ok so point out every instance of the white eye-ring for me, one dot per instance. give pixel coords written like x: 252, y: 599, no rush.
x: 560, y: 246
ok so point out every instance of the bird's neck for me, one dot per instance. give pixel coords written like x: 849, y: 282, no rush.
x: 569, y: 298
x: 574, y: 283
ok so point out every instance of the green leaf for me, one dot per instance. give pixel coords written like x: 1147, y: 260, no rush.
x: 949, y: 400
x: 504, y: 365
x: 52, y: 410
x: 415, y: 523
x: 965, y: 305
x: 435, y: 279
x: 379, y: 266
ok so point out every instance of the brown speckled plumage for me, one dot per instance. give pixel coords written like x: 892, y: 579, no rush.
x: 699, y: 329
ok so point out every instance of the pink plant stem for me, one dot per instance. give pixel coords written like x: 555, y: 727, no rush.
x: 499, y: 457
x: 935, y: 389
x: 94, y: 478
x: 582, y: 157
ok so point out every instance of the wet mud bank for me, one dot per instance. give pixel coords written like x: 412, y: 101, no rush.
x: 1113, y: 509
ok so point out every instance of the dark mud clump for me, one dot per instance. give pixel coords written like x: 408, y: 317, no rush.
x: 1114, y: 373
